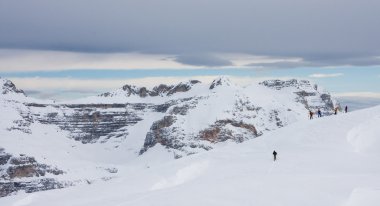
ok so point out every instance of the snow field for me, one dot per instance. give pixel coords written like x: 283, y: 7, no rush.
x: 318, y: 164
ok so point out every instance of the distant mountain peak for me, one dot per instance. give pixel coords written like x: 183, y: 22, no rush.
x: 221, y: 81
x: 280, y: 84
x: 7, y: 87
x: 160, y: 90
x: 183, y: 87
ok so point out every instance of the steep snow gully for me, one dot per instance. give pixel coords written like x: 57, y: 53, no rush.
x: 332, y: 160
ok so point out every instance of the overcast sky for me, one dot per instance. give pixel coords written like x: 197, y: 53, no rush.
x: 324, y: 31
x: 52, y: 35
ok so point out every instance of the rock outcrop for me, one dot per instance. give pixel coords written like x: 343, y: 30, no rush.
x: 90, y: 122
x: 160, y: 90
x: 158, y: 133
x: 219, y: 132
x: 308, y: 94
x: 220, y: 81
x: 16, y: 171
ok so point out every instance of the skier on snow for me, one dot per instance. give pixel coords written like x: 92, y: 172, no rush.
x: 274, y: 155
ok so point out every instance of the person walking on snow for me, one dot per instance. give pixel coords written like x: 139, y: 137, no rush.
x: 319, y: 113
x: 274, y: 155
x: 346, y: 109
x: 311, y: 114
x: 336, y: 111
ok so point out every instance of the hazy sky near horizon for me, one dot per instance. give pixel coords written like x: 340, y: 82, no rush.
x: 328, y: 41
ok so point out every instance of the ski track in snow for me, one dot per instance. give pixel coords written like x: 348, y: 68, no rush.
x: 182, y: 175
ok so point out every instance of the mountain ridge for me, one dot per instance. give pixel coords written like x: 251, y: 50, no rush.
x: 181, y: 120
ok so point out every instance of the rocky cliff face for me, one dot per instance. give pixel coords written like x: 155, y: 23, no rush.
x: 94, y: 122
x: 161, y: 90
x: 89, y: 123
x: 25, y: 173
x: 308, y: 94
x: 242, y: 119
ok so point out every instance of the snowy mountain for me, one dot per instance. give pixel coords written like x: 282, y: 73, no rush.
x: 7, y: 87
x: 46, y: 145
x: 161, y: 90
x: 328, y: 161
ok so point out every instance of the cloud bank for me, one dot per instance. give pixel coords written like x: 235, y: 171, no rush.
x: 326, y: 75
x: 320, y: 32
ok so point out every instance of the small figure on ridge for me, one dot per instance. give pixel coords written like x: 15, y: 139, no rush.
x: 336, y: 110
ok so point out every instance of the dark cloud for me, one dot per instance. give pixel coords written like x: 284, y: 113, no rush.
x: 354, y: 61
x: 281, y: 64
x: 322, y: 62
x: 319, y: 31
x: 203, y: 60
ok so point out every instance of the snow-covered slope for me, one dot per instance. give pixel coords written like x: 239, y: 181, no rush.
x: 46, y: 145
x: 327, y: 161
